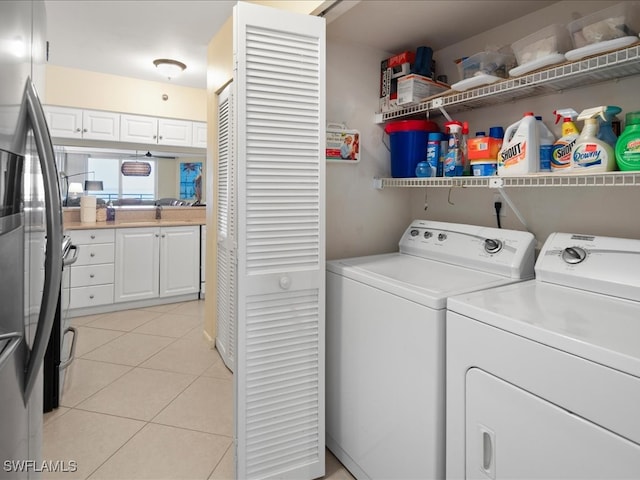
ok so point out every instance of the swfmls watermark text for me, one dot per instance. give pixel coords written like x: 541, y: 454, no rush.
x: 22, y: 466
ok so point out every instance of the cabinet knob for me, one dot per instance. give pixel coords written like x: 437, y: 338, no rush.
x: 285, y: 282
x: 78, y: 130
x: 93, y: 237
x: 163, y: 235
x: 155, y: 136
x: 91, y: 275
x: 91, y: 297
x: 85, y: 130
x: 160, y: 137
x: 92, y: 255
x: 157, y: 235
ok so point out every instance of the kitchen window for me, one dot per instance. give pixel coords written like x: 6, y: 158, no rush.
x: 117, y: 185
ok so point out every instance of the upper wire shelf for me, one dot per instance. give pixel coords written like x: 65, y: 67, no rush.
x: 607, y: 66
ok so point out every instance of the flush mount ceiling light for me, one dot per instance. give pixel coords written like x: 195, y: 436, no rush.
x: 169, y: 68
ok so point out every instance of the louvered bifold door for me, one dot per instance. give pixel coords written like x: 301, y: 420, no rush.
x: 226, y: 224
x: 279, y: 115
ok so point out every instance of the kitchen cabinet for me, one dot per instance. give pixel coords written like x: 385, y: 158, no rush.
x: 156, y: 262
x: 199, y: 134
x: 91, y: 277
x: 152, y: 130
x: 65, y: 122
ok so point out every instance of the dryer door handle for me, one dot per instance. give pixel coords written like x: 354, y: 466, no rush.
x: 487, y: 441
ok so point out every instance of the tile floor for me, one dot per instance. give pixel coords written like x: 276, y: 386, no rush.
x: 147, y: 398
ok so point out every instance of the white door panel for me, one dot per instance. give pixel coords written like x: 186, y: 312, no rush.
x: 279, y: 127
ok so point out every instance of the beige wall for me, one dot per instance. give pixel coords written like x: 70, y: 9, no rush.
x: 83, y: 89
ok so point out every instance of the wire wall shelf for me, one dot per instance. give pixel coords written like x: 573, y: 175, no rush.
x: 607, y: 66
x: 608, y: 179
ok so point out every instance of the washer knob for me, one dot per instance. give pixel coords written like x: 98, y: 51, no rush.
x: 442, y: 237
x: 428, y: 234
x: 414, y: 233
x: 492, y: 245
x: 573, y: 255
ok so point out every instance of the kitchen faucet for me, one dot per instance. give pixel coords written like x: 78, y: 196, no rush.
x: 158, y: 212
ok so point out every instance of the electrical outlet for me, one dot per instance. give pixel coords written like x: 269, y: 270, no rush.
x: 498, y: 198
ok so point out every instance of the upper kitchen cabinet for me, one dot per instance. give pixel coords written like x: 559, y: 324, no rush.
x: 75, y: 123
x: 199, y: 134
x: 152, y: 130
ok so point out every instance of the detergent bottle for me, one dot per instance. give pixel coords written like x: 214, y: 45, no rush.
x: 605, y: 129
x: 589, y: 153
x: 547, y: 139
x: 520, y: 152
x: 561, y: 152
x: 628, y: 146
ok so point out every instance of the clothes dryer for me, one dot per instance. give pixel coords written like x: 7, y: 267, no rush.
x: 385, y: 340
x: 543, y: 376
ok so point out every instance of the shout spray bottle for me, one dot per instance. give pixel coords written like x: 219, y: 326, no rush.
x: 561, y: 151
x: 589, y: 152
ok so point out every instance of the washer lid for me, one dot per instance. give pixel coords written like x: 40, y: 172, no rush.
x: 421, y: 280
x: 596, y: 327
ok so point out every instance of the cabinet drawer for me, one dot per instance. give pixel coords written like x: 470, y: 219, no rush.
x: 88, y: 237
x: 91, y: 296
x: 89, y: 275
x: 95, y: 254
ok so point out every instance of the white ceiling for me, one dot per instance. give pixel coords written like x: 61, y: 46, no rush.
x: 123, y: 37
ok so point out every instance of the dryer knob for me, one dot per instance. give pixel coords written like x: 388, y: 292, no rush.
x: 442, y: 237
x: 428, y: 234
x: 415, y: 233
x: 574, y: 255
x: 492, y: 245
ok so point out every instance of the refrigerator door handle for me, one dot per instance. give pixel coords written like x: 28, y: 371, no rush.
x: 34, y: 117
x: 13, y: 341
x: 72, y: 350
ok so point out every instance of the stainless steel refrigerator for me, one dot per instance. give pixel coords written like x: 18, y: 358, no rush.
x: 30, y: 236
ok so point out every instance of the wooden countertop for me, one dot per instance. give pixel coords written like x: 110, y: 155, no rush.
x: 131, y: 224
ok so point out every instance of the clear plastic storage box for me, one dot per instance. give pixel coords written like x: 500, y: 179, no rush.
x: 552, y: 39
x: 489, y: 63
x: 620, y: 20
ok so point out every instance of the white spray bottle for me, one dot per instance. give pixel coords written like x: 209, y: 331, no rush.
x: 589, y: 153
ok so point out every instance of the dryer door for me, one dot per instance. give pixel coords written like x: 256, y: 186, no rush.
x: 512, y: 434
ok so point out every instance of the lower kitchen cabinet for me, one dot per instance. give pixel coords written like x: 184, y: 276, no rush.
x: 91, y: 277
x: 156, y: 262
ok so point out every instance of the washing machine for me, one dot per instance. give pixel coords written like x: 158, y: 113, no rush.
x: 543, y: 376
x: 385, y: 342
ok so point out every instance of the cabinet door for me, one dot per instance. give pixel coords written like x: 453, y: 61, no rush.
x: 279, y: 109
x: 137, y: 273
x: 98, y: 125
x: 174, y: 132
x: 199, y: 134
x: 138, y: 129
x: 179, y: 260
x: 64, y: 122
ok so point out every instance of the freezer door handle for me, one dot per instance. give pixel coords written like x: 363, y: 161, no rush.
x: 32, y: 116
x: 72, y: 350
x: 14, y: 339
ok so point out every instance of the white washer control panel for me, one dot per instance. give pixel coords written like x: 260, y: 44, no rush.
x: 504, y: 252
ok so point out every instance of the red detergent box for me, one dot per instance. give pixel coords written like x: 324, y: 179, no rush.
x: 390, y: 70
